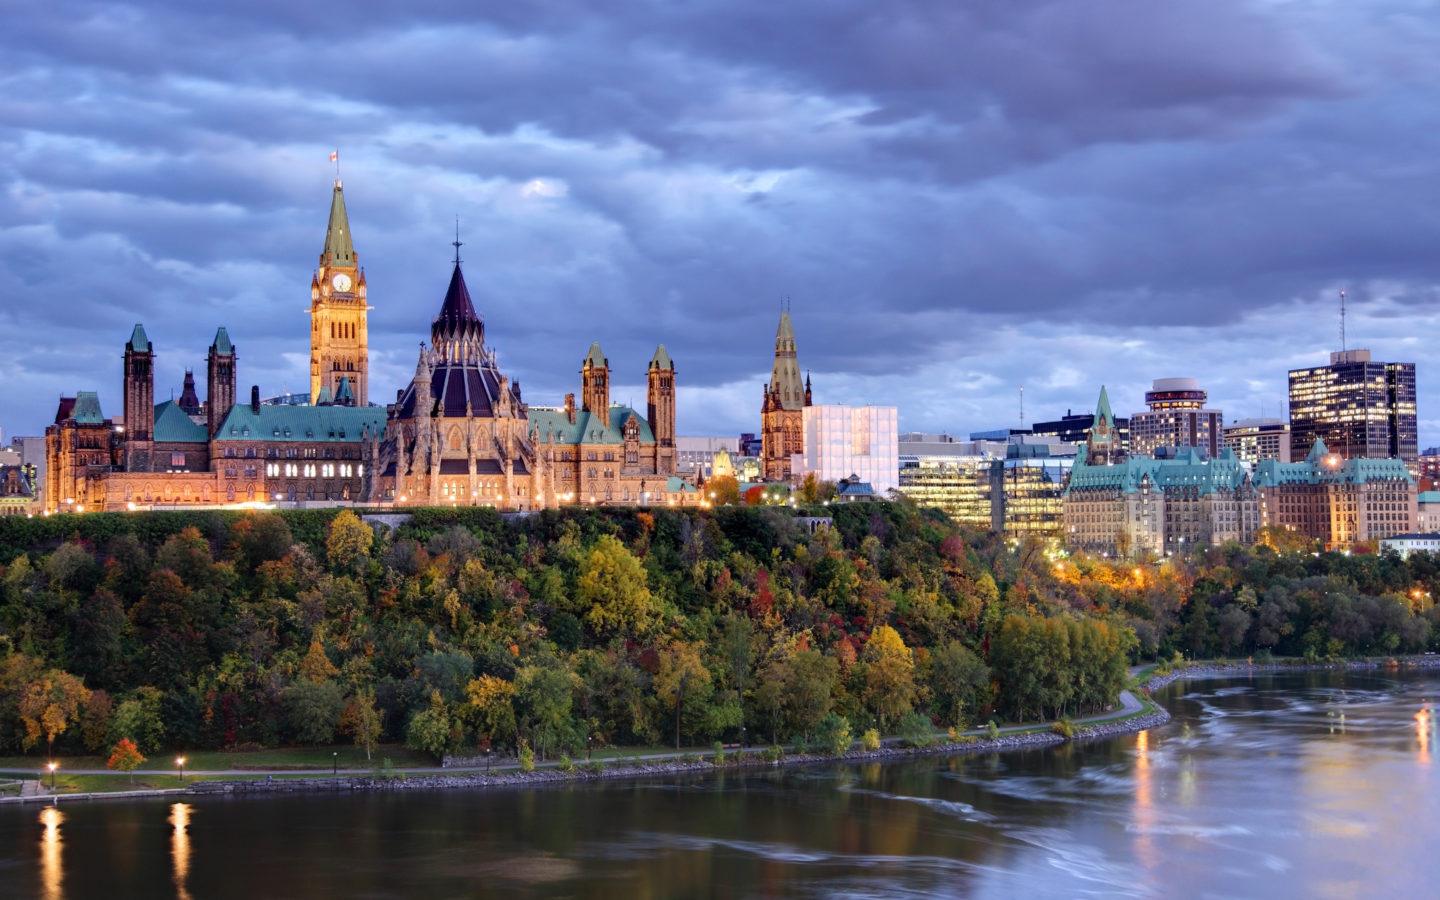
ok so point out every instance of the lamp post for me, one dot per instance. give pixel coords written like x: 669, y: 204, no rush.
x: 180, y: 764
x: 335, y: 762
x: 487, y: 762
x: 589, y: 746
x: 52, y: 766
x: 742, y: 737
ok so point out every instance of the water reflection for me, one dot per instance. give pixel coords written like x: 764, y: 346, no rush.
x: 1422, y: 733
x: 51, y: 874
x: 1144, y: 806
x: 180, y: 848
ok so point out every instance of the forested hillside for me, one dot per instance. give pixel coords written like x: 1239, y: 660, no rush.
x: 214, y: 630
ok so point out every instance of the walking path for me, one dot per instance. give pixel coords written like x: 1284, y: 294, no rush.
x: 1129, y: 705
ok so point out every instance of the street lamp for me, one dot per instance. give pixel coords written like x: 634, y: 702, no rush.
x: 589, y: 746
x: 180, y: 764
x: 335, y: 762
x: 487, y: 762
x: 52, y: 766
x: 742, y: 737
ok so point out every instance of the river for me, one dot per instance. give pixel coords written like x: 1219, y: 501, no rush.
x: 1300, y: 785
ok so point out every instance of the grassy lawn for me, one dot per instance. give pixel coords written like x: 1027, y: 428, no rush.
x: 297, y: 758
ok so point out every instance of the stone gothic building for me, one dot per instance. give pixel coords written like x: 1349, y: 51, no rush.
x: 782, y: 411
x: 460, y: 433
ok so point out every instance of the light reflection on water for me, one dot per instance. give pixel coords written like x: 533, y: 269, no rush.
x: 1302, y: 785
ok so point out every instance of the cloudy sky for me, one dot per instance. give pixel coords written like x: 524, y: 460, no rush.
x: 959, y: 198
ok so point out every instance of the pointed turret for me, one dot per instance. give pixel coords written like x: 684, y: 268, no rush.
x: 661, y: 359
x: 458, y: 332
x: 138, y: 340
x: 595, y: 382
x: 338, y: 251
x: 1318, y: 451
x: 139, y: 389
x: 1102, y: 409
x: 220, y: 380
x: 785, y: 384
x: 660, y: 409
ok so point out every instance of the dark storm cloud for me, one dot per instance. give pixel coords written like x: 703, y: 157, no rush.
x: 959, y: 198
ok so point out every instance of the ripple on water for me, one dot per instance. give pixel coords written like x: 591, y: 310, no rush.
x: 952, y: 808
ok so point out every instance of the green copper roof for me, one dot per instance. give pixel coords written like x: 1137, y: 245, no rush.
x: 87, y: 409
x: 222, y: 345
x: 301, y: 423
x: 338, y: 249
x: 343, y: 393
x: 138, y: 341
x: 596, y: 356
x: 1319, y: 467
x: 1188, y: 469
x: 661, y: 359
x: 552, y: 425
x: 1102, y: 408
x: 1428, y: 497
x: 172, y: 426
x: 324, y: 398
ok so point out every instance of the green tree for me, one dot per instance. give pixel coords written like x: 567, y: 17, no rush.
x: 680, y: 679
x: 312, y: 710
x: 544, y: 697
x: 139, y: 718
x: 959, y: 683
x: 612, y: 591
x: 809, y: 678
x: 430, y: 730
x: 832, y: 734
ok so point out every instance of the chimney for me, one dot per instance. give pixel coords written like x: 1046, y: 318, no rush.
x: 255, y: 399
x: 570, y: 408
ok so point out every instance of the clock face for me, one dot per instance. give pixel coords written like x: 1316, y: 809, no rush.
x: 341, y: 282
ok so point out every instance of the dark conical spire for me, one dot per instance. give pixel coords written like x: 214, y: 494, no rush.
x: 457, y: 332
x: 338, y: 249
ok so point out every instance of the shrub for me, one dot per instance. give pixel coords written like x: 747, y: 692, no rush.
x: 527, y: 758
x: 1063, y: 727
x: 916, y: 730
x: 870, y: 740
x: 774, y: 754
x: 566, y: 765
x: 832, y: 735
x: 719, y: 758
x: 993, y: 730
x: 595, y: 767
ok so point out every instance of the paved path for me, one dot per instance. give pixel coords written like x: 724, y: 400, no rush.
x: 1129, y: 705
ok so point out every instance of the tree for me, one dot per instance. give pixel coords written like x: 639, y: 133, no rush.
x: 361, y: 720
x: 889, y: 684
x: 349, y: 541
x: 543, y: 700
x: 312, y: 710
x: 724, y: 490
x: 316, y: 667
x: 430, y: 729
x: 959, y: 683
x: 810, y: 678
x: 832, y: 734
x: 681, y: 678
x: 125, y: 757
x: 490, y: 708
x: 612, y: 590
x: 138, y: 718
x: 49, y: 704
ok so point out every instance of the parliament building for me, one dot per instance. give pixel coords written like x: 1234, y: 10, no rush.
x: 457, y: 434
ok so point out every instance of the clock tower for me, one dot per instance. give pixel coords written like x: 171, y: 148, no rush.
x: 339, y: 337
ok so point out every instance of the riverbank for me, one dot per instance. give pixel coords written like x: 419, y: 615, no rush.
x: 1223, y: 669
x: 1133, y: 714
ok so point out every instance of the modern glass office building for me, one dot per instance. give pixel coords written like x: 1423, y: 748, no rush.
x: 1360, y: 408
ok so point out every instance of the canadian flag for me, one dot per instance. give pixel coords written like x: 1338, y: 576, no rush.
x: 334, y: 155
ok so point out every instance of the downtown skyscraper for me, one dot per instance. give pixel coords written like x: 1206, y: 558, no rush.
x: 1359, y: 407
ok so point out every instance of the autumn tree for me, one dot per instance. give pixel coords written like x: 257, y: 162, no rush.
x: 125, y: 757
x: 490, y: 708
x: 361, y: 720
x: 432, y: 729
x: 959, y: 683
x: 889, y: 676
x: 49, y: 704
x: 349, y: 541
x: 612, y: 591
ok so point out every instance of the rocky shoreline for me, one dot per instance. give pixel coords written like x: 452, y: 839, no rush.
x: 735, y: 761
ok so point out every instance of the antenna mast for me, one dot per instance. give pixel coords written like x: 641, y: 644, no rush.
x: 1022, y: 406
x: 1342, y: 320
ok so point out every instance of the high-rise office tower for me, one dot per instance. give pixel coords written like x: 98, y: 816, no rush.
x: 1360, y: 408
